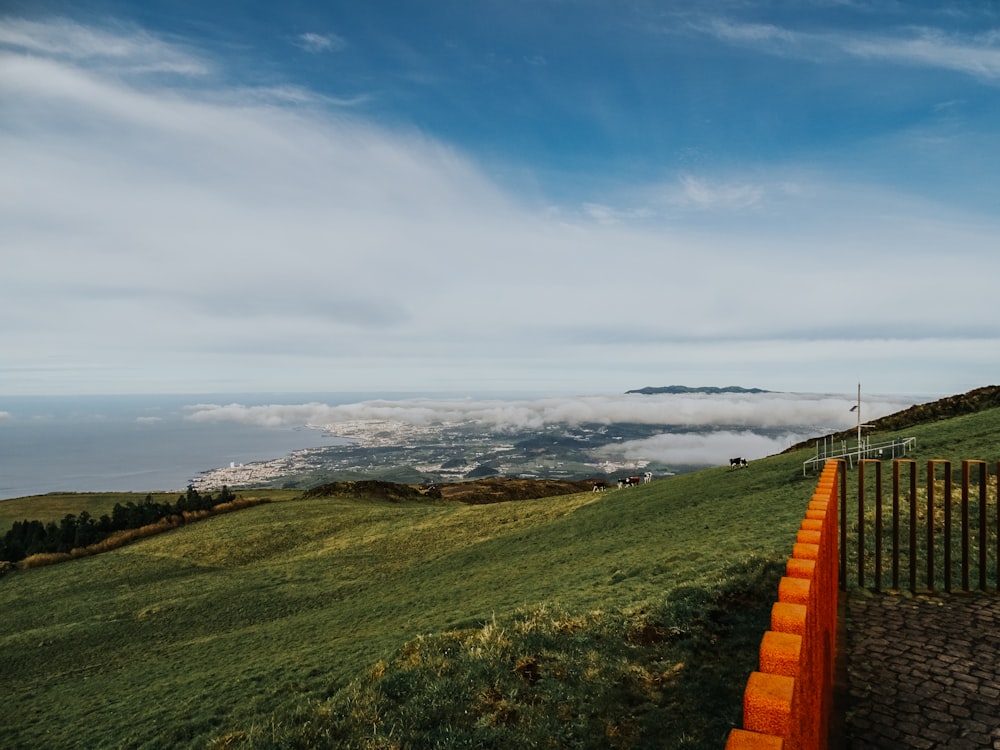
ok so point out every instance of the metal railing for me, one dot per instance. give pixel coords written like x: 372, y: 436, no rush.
x: 887, y: 449
x: 926, y: 538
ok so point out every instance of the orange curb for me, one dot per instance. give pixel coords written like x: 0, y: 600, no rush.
x: 808, y: 536
x: 740, y: 739
x: 788, y: 618
x: 780, y: 653
x: 767, y: 703
x: 798, y: 568
x: 805, y: 551
x: 794, y: 590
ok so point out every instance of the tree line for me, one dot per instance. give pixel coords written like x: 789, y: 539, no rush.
x: 27, y: 538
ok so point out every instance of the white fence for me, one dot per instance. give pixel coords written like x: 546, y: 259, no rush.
x: 895, y: 448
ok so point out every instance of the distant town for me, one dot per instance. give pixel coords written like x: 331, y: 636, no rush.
x: 443, y: 452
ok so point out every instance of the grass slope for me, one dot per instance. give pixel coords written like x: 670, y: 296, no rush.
x: 215, y: 629
x: 56, y: 505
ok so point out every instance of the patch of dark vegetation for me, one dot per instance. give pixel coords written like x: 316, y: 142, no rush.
x: 979, y: 399
x: 27, y: 538
x: 368, y: 489
x: 668, y: 674
x: 483, y: 470
x: 505, y: 489
x: 476, y: 492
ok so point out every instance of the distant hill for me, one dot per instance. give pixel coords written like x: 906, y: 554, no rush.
x: 649, y: 390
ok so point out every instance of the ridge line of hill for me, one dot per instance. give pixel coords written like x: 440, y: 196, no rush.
x: 986, y: 397
x: 651, y: 390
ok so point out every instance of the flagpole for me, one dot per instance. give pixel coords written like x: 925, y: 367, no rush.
x: 857, y: 408
x: 859, y: 423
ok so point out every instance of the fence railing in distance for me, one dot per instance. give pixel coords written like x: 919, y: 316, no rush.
x: 787, y: 703
x: 883, y: 451
x: 927, y: 538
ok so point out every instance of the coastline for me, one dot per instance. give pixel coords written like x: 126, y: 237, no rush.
x: 237, y: 476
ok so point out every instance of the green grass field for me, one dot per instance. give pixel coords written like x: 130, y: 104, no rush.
x: 54, y: 506
x: 238, y: 626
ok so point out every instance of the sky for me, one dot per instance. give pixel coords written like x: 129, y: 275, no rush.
x: 545, y: 197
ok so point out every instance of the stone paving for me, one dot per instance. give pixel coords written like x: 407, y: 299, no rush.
x: 921, y: 671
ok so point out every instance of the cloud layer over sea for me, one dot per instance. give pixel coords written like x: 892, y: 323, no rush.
x: 698, y: 428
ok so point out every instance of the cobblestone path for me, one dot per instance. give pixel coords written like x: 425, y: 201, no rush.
x: 922, y: 672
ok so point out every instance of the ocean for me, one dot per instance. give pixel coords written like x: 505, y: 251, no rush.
x: 135, y: 443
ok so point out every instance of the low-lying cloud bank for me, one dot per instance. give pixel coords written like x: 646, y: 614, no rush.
x: 763, y: 410
x: 701, y: 448
x: 713, y: 428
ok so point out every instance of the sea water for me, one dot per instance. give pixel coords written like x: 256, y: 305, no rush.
x: 135, y: 443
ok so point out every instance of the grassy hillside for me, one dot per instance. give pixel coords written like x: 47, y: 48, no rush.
x: 924, y: 418
x: 970, y: 434
x: 278, y: 625
x: 56, y: 505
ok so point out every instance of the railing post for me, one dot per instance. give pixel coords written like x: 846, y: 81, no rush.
x: 878, y: 520
x: 931, y: 471
x: 896, y: 486
x: 967, y: 530
x: 983, y: 503
x: 861, y: 525
x: 947, y: 528
x: 878, y: 525
x: 930, y: 525
x: 913, y: 523
x: 965, y: 525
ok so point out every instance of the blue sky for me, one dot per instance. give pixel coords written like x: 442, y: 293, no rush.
x: 556, y: 196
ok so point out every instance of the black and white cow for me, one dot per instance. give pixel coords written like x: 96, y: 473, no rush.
x: 737, y: 463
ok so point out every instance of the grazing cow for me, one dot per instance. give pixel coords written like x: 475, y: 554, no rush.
x: 600, y: 486
x: 737, y: 463
x: 629, y: 481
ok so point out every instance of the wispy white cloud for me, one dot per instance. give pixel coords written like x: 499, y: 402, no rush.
x: 315, y: 43
x: 729, y: 198
x: 607, y: 215
x: 125, y: 49
x: 975, y: 54
x: 699, y: 193
x: 754, y: 33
